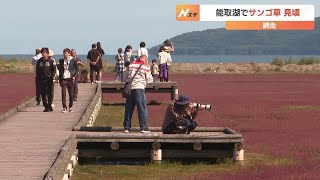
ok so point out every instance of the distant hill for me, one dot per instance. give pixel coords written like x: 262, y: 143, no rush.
x: 224, y: 42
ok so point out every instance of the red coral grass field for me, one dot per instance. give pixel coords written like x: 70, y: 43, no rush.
x: 278, y: 115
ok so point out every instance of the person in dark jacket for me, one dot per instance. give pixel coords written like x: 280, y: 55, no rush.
x: 101, y: 51
x: 45, y: 72
x: 68, y: 69
x: 179, y: 110
x: 75, y: 84
x: 94, y: 57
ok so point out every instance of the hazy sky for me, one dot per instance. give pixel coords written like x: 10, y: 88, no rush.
x: 28, y: 24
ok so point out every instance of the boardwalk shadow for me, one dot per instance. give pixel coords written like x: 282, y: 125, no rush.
x: 150, y: 103
x: 96, y: 129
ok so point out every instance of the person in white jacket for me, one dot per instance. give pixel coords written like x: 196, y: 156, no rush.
x: 142, y: 50
x: 164, y: 59
x: 35, y: 58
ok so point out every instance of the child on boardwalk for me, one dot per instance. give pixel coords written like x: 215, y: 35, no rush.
x: 154, y: 70
x: 119, y: 65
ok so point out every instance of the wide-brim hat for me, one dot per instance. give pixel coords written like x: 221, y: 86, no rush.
x: 183, y: 100
x: 167, y: 42
x: 51, y: 52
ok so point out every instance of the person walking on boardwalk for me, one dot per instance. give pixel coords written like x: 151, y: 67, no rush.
x: 35, y: 58
x: 68, y: 69
x: 95, y: 66
x: 101, y: 51
x: 45, y: 72
x: 140, y: 75
x: 75, y: 84
x: 119, y: 65
x: 55, y: 75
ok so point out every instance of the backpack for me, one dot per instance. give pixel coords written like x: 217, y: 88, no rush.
x: 178, y: 126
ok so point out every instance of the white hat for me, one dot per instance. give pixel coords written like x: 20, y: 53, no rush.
x: 51, y: 52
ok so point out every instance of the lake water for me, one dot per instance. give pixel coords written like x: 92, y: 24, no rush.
x: 190, y: 58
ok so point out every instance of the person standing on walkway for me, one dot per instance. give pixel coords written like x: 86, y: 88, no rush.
x: 45, y: 71
x: 119, y: 65
x: 142, y: 50
x: 154, y: 70
x: 68, y: 69
x: 75, y: 84
x: 164, y: 59
x: 55, y: 75
x: 34, y: 62
x: 140, y: 75
x: 168, y: 46
x: 95, y: 67
x: 128, y: 56
x: 101, y: 51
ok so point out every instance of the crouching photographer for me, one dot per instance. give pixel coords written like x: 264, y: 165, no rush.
x: 180, y: 115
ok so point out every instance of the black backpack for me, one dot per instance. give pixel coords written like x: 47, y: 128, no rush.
x: 178, y: 126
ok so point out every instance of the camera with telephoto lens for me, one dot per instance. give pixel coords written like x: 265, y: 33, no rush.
x: 201, y: 106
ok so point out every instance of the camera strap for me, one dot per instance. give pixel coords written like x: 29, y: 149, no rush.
x: 135, y: 74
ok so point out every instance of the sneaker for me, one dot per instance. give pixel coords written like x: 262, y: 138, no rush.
x: 91, y: 82
x: 64, y: 110
x: 70, y: 109
x: 96, y: 82
x: 46, y: 110
x: 145, y: 131
x: 126, y: 130
x: 52, y: 105
x: 50, y: 109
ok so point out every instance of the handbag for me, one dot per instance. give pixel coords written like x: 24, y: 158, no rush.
x: 126, y: 92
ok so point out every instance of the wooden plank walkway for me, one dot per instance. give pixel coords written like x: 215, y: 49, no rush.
x: 155, y: 87
x: 31, y: 139
x: 203, y: 143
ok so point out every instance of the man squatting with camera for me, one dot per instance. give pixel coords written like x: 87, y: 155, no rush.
x: 180, y: 115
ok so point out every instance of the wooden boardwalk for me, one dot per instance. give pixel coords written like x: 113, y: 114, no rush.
x: 155, y: 87
x: 31, y: 139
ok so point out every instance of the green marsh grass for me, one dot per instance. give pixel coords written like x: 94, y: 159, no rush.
x: 290, y: 60
x: 303, y: 107
x: 176, y: 170
x: 112, y: 114
x: 23, y: 65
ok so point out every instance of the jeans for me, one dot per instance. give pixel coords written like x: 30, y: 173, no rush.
x: 67, y: 84
x: 163, y: 72
x: 75, y: 86
x: 94, y: 68
x: 119, y: 74
x: 46, y: 92
x: 138, y: 98
x: 155, y: 77
x: 38, y: 90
